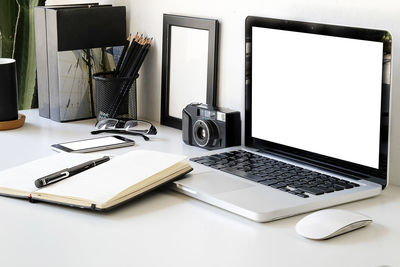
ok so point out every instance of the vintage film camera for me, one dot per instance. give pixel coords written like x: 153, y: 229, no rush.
x: 210, y: 127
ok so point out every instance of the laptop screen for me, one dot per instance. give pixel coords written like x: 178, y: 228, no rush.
x: 316, y: 92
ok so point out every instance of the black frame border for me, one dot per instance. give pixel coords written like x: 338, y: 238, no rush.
x: 357, y: 171
x: 212, y: 26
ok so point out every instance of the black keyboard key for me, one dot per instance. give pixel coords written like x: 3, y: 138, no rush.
x: 278, y: 185
x: 341, y: 182
x: 242, y: 159
x: 213, y: 158
x: 269, y: 182
x: 344, y: 184
x: 302, y: 195
x: 223, y: 161
x: 219, y: 166
x: 337, y: 187
x: 314, y: 191
x: 269, y: 171
x: 209, y: 163
x: 283, y: 176
x: 296, y: 184
x: 326, y: 189
x: 220, y: 156
x: 243, y: 174
x: 200, y: 160
x: 259, y: 166
x: 334, y: 180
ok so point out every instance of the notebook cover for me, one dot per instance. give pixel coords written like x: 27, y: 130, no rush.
x: 93, y: 206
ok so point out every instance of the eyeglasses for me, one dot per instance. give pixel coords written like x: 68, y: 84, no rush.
x: 131, y: 127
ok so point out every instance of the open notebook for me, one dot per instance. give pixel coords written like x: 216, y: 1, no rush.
x: 102, y: 187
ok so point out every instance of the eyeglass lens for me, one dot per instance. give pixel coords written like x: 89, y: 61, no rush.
x: 139, y: 126
x: 106, y: 124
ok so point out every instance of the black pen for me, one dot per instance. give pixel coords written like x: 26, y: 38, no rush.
x: 68, y: 172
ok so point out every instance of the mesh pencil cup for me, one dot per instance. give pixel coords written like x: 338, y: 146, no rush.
x: 108, y: 90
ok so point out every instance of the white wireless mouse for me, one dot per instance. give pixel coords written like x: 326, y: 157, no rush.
x: 328, y: 223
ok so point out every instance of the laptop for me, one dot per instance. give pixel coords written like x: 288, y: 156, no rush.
x: 316, y: 123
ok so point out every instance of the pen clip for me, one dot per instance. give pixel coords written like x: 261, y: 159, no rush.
x: 62, y: 176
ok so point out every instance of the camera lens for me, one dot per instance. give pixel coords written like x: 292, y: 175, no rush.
x: 201, y: 133
x: 205, y: 132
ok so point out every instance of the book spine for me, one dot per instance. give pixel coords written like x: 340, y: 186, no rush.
x: 41, y: 61
x: 52, y: 63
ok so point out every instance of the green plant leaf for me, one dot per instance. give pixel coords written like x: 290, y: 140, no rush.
x: 25, y: 53
x: 8, y: 19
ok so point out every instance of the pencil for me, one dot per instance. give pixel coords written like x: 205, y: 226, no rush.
x: 122, y: 56
x: 128, y: 57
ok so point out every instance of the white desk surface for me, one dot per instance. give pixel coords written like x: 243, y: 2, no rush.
x: 165, y: 228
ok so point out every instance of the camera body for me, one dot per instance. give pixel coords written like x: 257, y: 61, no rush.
x: 210, y: 127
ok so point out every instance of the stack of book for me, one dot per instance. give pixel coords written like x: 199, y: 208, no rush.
x: 70, y: 48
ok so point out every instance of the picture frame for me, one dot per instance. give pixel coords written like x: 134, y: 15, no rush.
x: 189, y: 65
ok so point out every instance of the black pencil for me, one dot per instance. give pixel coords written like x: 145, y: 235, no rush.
x: 122, y: 56
x: 143, y: 56
x: 136, y: 58
x: 129, y: 55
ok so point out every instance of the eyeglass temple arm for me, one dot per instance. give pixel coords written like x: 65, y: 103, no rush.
x: 120, y: 132
x: 152, y: 130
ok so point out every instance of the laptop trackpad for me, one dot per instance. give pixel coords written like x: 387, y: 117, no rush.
x: 213, y: 182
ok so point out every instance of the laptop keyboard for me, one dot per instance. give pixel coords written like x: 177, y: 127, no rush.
x: 277, y: 174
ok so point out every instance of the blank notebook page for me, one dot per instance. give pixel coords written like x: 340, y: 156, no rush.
x: 23, y: 177
x: 103, y: 182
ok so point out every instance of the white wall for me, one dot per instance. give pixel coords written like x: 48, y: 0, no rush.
x: 145, y: 16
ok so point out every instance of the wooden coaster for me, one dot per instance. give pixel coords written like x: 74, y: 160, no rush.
x: 8, y: 125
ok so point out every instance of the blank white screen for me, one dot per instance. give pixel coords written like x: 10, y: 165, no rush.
x: 84, y: 144
x: 317, y: 93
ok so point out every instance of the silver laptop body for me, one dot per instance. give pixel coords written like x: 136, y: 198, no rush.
x: 289, y: 62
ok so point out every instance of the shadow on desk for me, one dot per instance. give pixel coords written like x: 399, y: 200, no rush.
x: 168, y: 210
x: 144, y: 204
x: 147, y: 203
